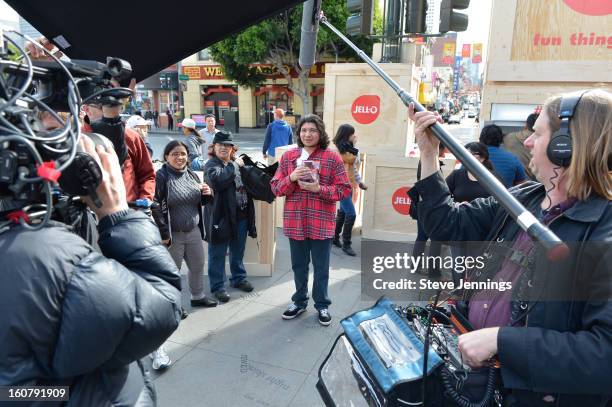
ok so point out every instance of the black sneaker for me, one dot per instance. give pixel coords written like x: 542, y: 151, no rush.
x: 293, y: 311
x: 244, y: 286
x: 184, y: 314
x: 204, y: 302
x: 324, y: 317
x: 222, y: 296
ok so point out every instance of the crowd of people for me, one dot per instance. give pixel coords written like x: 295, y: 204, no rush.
x: 120, y: 295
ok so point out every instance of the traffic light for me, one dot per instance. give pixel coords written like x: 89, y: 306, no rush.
x: 416, y: 11
x: 450, y: 20
x: 359, y: 21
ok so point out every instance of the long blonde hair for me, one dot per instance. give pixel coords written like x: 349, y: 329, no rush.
x: 590, y: 170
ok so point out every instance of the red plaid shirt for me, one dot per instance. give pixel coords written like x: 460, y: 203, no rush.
x: 310, y: 215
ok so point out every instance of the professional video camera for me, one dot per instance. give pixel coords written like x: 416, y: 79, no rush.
x: 33, y: 158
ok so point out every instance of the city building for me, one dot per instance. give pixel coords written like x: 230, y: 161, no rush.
x: 206, y: 90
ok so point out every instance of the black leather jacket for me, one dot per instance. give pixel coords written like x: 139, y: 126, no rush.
x: 564, y: 351
x: 72, y: 316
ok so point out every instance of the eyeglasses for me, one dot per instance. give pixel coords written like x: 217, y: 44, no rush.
x: 177, y: 155
x: 475, y: 153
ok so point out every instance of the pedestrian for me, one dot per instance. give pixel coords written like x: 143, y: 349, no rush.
x: 197, y: 147
x: 548, y: 343
x: 208, y: 132
x: 134, y: 158
x: 229, y: 217
x: 180, y: 196
x: 514, y: 143
x: 140, y: 126
x: 278, y: 134
x: 463, y: 186
x: 312, y: 179
x: 170, y: 120
x: 506, y: 164
x: 345, y: 141
x: 156, y: 119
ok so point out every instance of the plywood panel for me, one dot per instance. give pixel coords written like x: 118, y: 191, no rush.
x: 389, y: 130
x: 529, y: 92
x: 386, y: 175
x: 516, y: 54
x: 550, y: 30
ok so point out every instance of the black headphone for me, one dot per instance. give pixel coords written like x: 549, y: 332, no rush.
x: 559, y: 150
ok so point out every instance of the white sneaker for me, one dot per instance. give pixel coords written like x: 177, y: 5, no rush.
x: 161, y: 360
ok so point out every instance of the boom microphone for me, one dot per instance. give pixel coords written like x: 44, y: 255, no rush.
x: 310, y: 28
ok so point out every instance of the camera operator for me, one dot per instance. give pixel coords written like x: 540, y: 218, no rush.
x: 74, y: 317
x: 555, y: 352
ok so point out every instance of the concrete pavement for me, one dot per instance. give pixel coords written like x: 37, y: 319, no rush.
x: 243, y: 353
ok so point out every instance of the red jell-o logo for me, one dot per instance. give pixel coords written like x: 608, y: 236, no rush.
x: 591, y: 7
x: 366, y: 108
x: 400, y: 201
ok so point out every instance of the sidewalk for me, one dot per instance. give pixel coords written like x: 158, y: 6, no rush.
x: 245, y: 133
x: 243, y: 353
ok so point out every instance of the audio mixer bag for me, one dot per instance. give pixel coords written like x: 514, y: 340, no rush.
x: 377, y: 361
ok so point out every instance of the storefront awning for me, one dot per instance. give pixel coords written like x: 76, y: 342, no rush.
x: 265, y: 89
x: 219, y: 89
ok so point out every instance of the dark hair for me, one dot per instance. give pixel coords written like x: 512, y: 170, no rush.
x: 531, y: 119
x: 341, y: 139
x: 210, y: 115
x: 481, y: 149
x: 172, y: 145
x: 194, y: 132
x: 211, y: 151
x: 316, y: 120
x: 492, y: 135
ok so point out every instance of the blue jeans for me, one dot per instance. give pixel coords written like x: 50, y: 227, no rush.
x: 216, y: 259
x: 347, y: 206
x: 301, y: 252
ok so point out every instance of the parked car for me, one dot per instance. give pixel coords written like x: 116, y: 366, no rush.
x: 455, y: 118
x: 471, y: 113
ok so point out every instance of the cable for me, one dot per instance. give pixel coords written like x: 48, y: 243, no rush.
x: 426, y: 346
x: 553, y: 186
x: 459, y: 398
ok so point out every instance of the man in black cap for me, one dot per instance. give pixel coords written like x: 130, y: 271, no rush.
x: 228, y: 218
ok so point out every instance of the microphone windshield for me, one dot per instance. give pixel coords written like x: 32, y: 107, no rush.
x: 310, y: 27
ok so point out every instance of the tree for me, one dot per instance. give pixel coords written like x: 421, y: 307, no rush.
x: 276, y: 41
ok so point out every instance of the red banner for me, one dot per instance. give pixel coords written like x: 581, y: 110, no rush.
x: 466, y: 51
x: 477, y: 54
x: 448, y: 56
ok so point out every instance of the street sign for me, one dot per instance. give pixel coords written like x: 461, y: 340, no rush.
x: 183, y: 77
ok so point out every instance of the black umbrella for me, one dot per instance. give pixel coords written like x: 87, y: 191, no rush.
x: 151, y: 35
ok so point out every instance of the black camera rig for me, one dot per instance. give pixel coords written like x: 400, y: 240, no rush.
x: 35, y: 160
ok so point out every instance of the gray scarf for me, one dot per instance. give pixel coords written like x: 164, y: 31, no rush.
x: 241, y: 194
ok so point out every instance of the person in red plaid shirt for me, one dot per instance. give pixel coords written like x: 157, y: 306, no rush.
x: 312, y: 179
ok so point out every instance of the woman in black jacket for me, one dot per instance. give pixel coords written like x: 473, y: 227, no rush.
x: 181, y: 195
x: 228, y: 217
x: 463, y: 186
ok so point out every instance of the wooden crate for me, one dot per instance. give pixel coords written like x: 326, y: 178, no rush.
x: 521, y: 28
x: 388, y: 176
x: 390, y: 131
